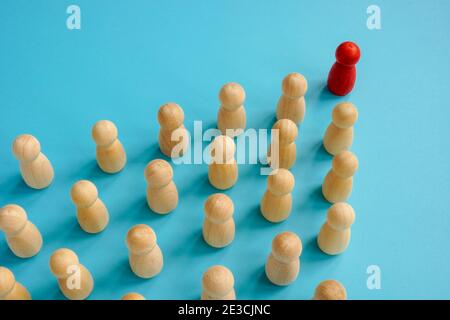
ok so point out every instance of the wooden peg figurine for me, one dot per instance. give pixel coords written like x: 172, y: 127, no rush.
x: 231, y: 114
x: 10, y: 289
x: 330, y: 290
x: 339, y: 134
x: 133, y: 296
x: 173, y: 136
x: 22, y: 236
x: 334, y: 236
x: 283, y: 264
x: 218, y: 227
x: 74, y: 280
x: 223, y: 169
x: 111, y: 157
x: 162, y: 194
x: 292, y: 101
x: 218, y: 284
x: 285, y: 144
x: 145, y: 256
x: 36, y: 169
x: 342, y: 76
x: 92, y: 214
x: 276, y: 203
x: 338, y: 183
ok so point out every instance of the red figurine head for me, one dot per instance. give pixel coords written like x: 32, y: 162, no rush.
x: 348, y: 53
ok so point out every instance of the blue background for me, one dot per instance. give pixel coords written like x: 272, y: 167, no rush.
x: 130, y: 57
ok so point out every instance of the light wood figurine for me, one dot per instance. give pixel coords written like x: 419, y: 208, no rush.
x: 162, y: 193
x: 22, y: 236
x: 276, y: 203
x: 36, y: 169
x: 218, y: 227
x: 110, y: 154
x: 74, y: 280
x: 334, y: 236
x: 92, y: 214
x: 284, y: 145
x: 133, y: 296
x: 145, y: 256
x: 283, y: 264
x: 338, y: 183
x: 330, y: 290
x: 339, y: 134
x: 292, y: 101
x: 173, y: 136
x: 231, y: 118
x: 218, y: 284
x: 10, y: 289
x: 223, y: 169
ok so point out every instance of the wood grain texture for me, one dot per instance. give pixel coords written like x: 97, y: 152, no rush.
x: 218, y: 226
x: 74, y: 280
x: 291, y: 104
x: 92, y: 214
x: 22, y: 236
x: 10, y: 289
x: 339, y: 134
x: 110, y: 153
x: 218, y: 284
x: 223, y: 169
x: 283, y: 264
x: 35, y: 168
x: 145, y: 256
x: 276, y: 204
x: 334, y: 236
x: 162, y: 193
x: 231, y: 115
x: 173, y: 137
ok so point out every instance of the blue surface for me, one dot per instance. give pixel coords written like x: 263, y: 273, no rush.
x: 132, y: 56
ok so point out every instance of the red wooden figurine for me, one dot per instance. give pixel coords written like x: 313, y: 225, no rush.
x: 342, y: 76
